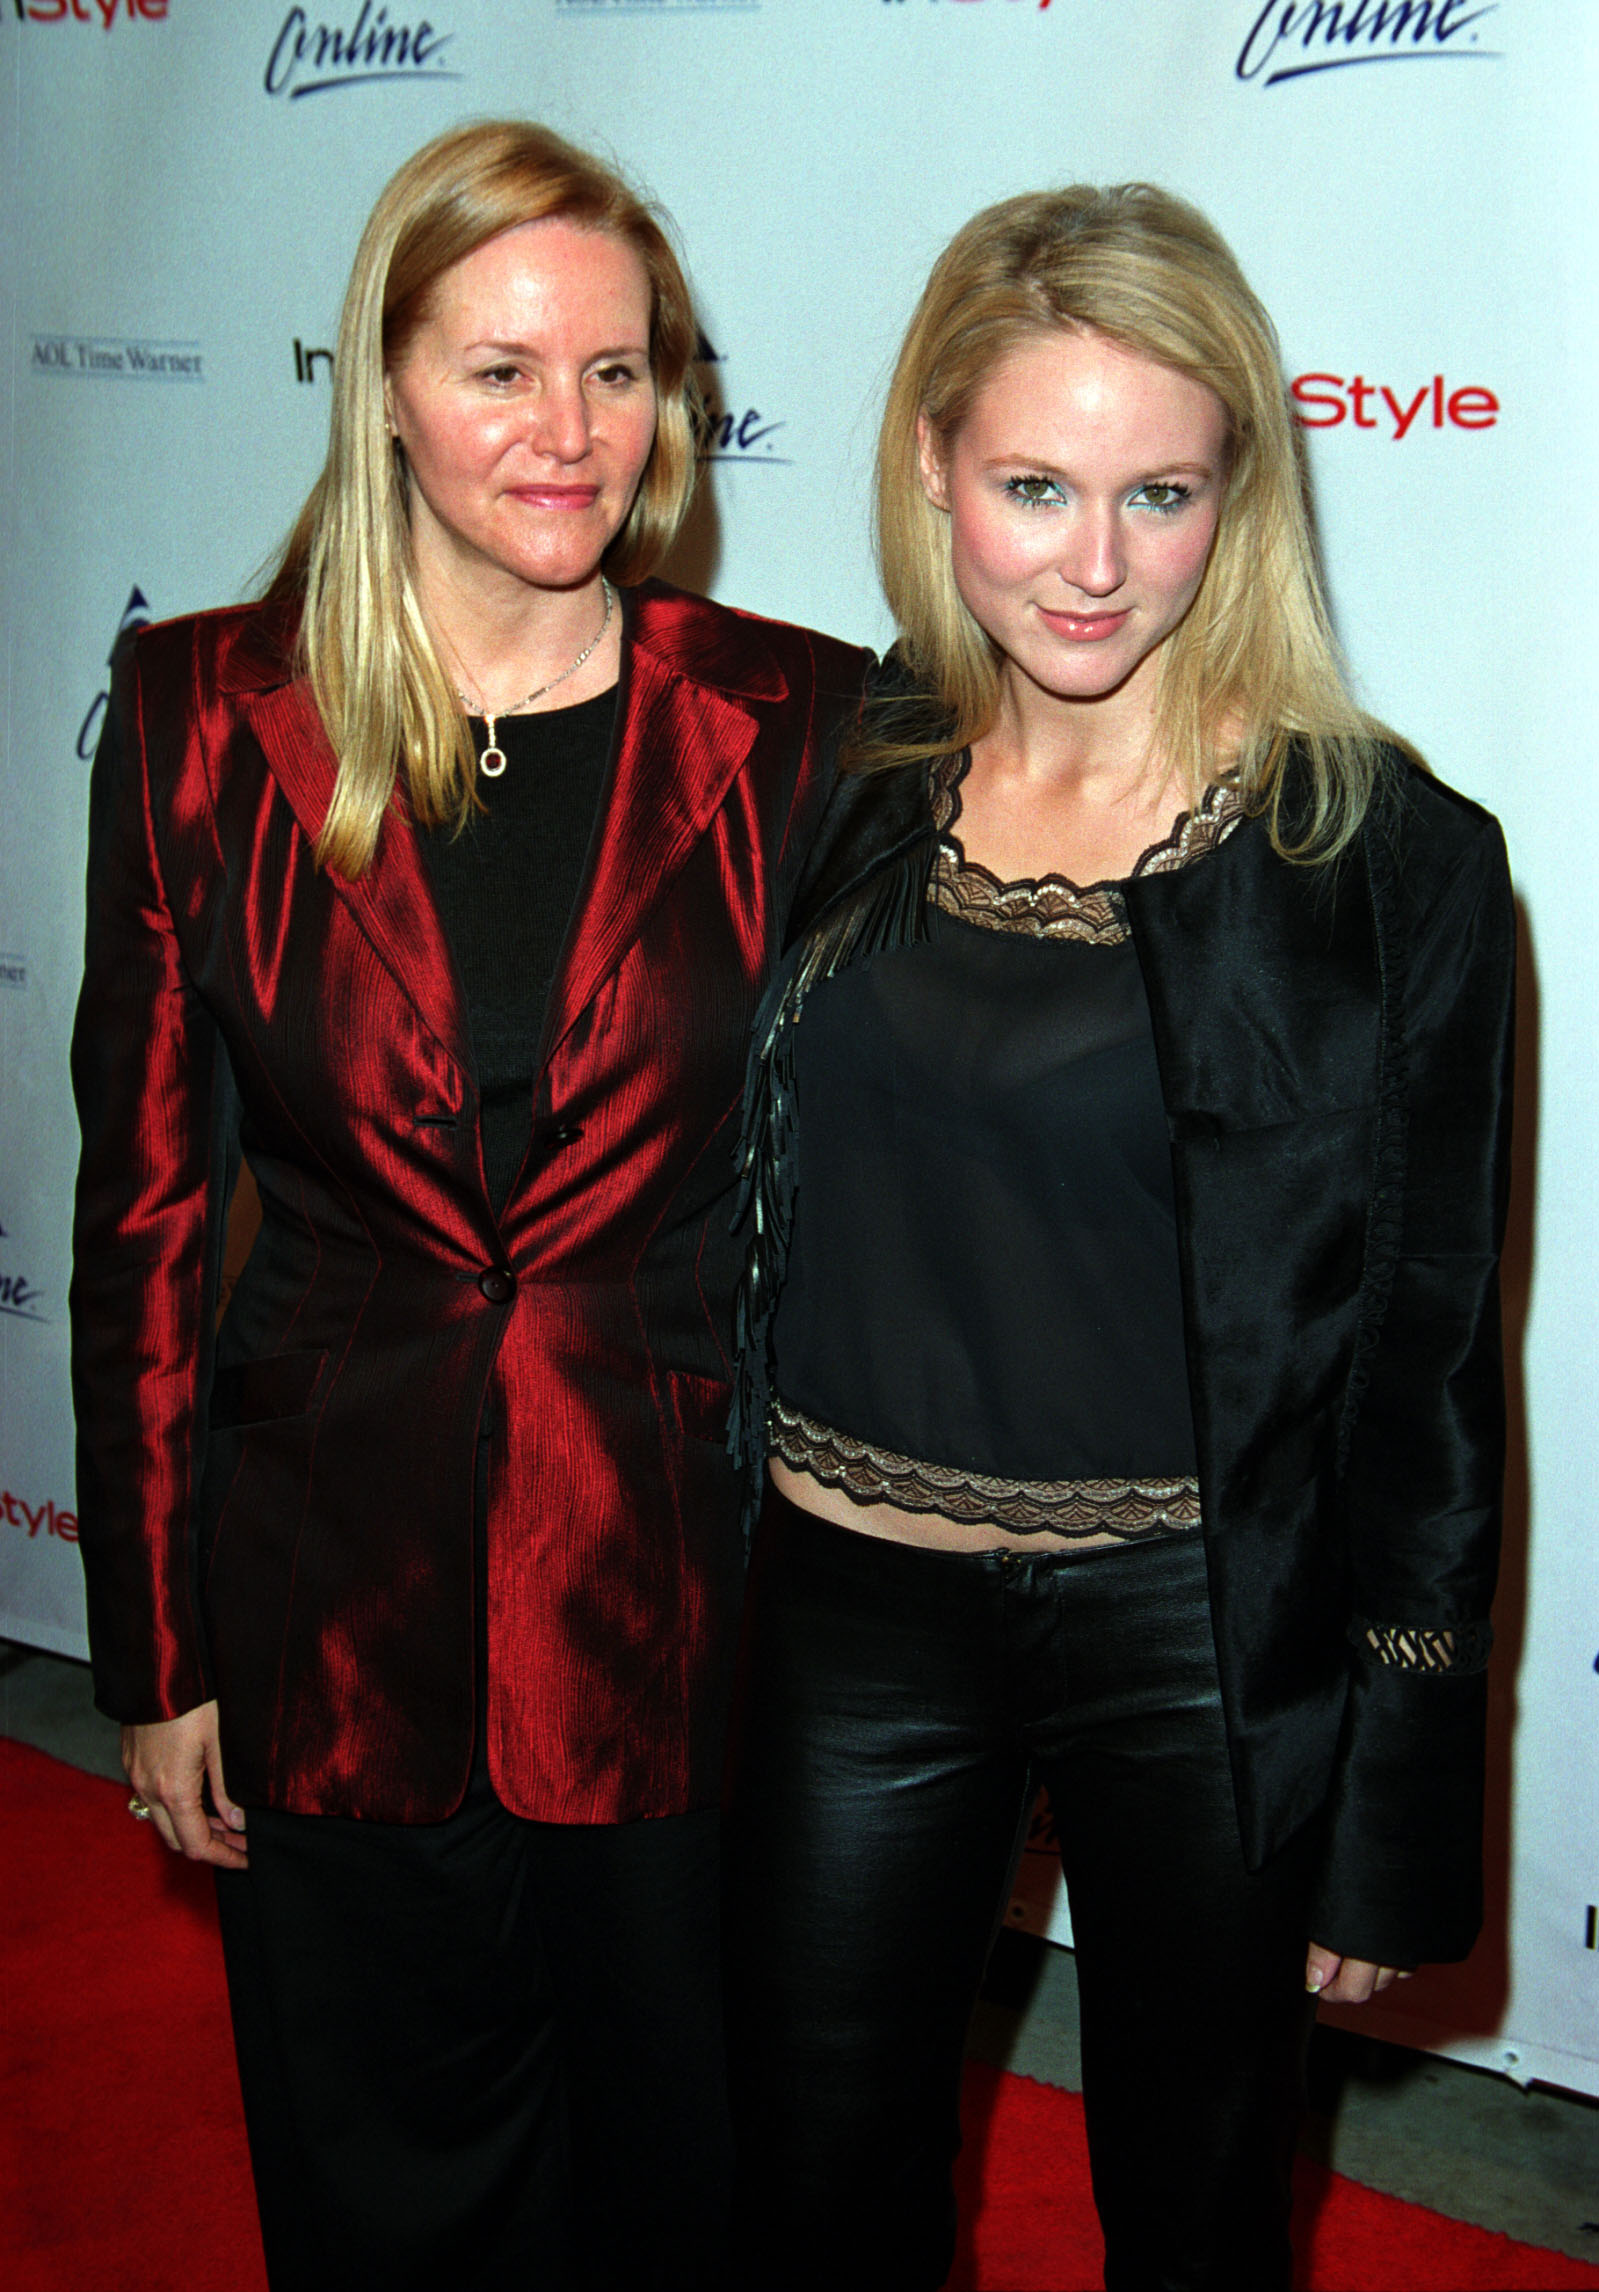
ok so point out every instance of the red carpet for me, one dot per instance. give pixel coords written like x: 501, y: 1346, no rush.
x: 122, y: 2157
x: 1028, y: 2225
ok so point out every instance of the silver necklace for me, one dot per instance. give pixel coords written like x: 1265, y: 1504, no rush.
x: 492, y: 761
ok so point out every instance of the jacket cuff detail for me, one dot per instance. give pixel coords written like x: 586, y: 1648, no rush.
x: 1462, y: 1648
x: 1401, y: 1876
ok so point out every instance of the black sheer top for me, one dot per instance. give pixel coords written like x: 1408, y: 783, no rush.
x: 982, y: 1315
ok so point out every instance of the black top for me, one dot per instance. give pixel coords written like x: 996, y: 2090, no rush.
x: 983, y: 1271
x: 506, y: 887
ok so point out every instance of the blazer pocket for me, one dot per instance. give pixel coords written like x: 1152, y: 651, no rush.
x: 257, y: 1392
x: 701, y: 1403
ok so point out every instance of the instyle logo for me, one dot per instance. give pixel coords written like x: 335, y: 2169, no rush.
x: 46, y: 1519
x: 736, y: 433
x: 135, y: 615
x: 116, y: 358
x: 14, y: 971
x: 312, y: 365
x: 725, y: 434
x: 18, y: 1295
x: 1292, y: 39
x: 1322, y: 401
x: 106, y: 12
x: 313, y: 57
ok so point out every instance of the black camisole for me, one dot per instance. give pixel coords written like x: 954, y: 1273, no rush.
x: 982, y: 1310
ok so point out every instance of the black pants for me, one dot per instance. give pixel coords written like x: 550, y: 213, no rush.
x: 903, y: 1706
x: 482, y: 2053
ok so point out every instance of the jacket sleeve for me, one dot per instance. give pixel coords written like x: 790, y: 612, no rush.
x: 153, y: 1094
x: 1424, y: 1434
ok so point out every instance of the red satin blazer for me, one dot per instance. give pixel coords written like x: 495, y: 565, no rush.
x: 281, y: 1514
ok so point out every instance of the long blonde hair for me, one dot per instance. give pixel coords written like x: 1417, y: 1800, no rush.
x: 383, y: 696
x: 1253, y: 669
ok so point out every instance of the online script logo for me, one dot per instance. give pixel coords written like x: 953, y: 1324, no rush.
x: 1291, y: 39
x: 116, y: 358
x: 18, y: 1296
x: 313, y: 58
x: 737, y: 433
x: 106, y: 12
x: 135, y: 615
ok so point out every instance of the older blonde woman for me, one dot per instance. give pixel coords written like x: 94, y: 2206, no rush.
x: 442, y: 885
x: 1128, y: 1124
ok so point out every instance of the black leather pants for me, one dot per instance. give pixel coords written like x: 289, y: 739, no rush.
x: 902, y: 1708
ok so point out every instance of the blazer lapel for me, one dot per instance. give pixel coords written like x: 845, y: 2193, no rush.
x: 685, y: 732
x: 393, y: 901
x: 686, y: 729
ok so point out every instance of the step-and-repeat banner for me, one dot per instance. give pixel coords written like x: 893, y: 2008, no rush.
x: 1409, y: 183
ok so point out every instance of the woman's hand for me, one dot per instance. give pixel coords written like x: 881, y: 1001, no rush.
x: 1348, y: 1981
x: 169, y: 1764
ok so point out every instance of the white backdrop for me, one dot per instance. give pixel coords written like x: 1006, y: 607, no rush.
x: 1409, y: 184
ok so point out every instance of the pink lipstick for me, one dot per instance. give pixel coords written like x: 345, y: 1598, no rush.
x: 1082, y: 628
x: 556, y: 496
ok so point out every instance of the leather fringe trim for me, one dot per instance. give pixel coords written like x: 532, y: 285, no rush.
x: 889, y: 910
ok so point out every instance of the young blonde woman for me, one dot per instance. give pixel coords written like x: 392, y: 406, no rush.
x: 1127, y: 1127
x: 442, y: 885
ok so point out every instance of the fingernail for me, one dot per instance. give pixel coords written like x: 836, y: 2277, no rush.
x: 235, y: 1818
x: 1314, y: 1982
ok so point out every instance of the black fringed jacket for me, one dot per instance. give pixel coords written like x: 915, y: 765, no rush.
x: 1334, y: 1047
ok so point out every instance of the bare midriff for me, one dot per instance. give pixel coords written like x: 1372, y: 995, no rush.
x: 928, y: 1529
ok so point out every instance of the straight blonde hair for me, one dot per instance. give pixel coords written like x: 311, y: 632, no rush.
x: 1253, y: 670
x: 364, y: 646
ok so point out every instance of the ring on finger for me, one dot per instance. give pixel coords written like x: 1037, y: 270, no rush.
x: 137, y: 1808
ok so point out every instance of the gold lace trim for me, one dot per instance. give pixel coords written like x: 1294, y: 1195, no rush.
x: 1128, y: 1509
x: 1051, y: 906
x: 1411, y: 1647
